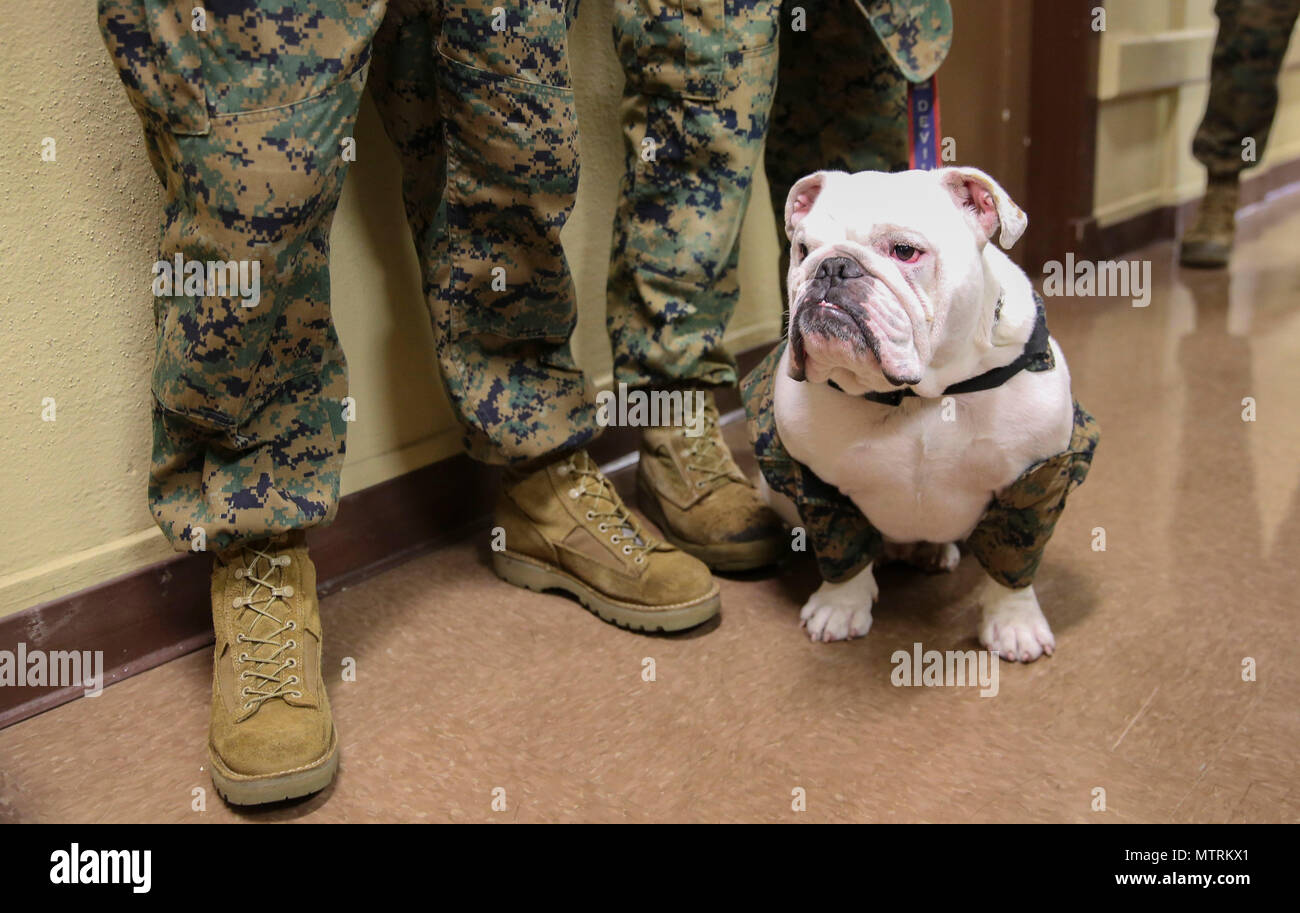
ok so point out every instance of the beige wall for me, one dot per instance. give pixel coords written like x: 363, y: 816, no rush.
x: 1152, y: 74
x: 77, y: 237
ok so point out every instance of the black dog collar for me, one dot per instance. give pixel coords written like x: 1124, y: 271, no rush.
x: 1036, y: 356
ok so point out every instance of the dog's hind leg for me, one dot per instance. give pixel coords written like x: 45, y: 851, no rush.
x: 930, y: 557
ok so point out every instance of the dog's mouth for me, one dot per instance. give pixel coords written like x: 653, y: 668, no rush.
x: 838, y: 332
x: 822, y: 324
x: 848, y: 323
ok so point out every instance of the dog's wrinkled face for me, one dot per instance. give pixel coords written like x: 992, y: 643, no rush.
x: 887, y: 273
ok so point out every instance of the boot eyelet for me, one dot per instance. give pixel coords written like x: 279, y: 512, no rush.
x: 699, y: 484
x: 248, y: 706
x: 573, y: 494
x: 291, y: 664
x: 627, y: 549
x: 292, y: 626
x: 291, y: 644
x: 237, y: 602
x: 243, y: 692
x: 604, y: 527
x: 239, y: 573
x: 243, y: 657
x: 239, y: 638
x: 591, y: 515
x: 295, y: 694
x: 640, y: 559
x: 562, y: 470
x: 614, y: 539
x: 293, y: 680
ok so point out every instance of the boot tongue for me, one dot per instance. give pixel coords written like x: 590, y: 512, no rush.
x: 583, y: 460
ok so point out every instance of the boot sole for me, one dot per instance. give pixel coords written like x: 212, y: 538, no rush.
x: 1201, y: 255
x: 539, y: 576
x: 720, y: 556
x: 241, y: 789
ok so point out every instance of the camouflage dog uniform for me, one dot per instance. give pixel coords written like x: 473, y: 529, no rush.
x: 842, y: 100
x: 247, y: 106
x: 1248, y: 50
x: 1011, y: 534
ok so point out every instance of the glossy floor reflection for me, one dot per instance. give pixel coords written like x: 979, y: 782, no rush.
x: 465, y: 685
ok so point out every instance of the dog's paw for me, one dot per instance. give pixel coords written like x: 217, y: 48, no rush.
x: 1012, y: 625
x: 839, y: 611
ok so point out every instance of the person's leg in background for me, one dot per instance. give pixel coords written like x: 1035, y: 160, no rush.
x: 244, y: 113
x: 1248, y: 50
x: 490, y: 113
x: 699, y: 84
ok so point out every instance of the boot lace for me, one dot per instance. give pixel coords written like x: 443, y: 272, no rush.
x: 266, y: 661
x: 709, y: 457
x: 607, y: 508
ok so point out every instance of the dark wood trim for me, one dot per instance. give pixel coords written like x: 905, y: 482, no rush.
x: 160, y: 612
x: 1062, y: 128
x: 1166, y: 222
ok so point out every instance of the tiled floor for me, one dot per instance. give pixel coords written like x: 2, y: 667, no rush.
x: 465, y: 685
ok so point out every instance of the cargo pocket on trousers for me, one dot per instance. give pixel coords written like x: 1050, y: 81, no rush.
x: 249, y: 219
x: 512, y: 175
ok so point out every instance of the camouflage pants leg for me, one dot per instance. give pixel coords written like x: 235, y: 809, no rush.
x: 700, y: 79
x: 849, y: 116
x: 1248, y: 51
x: 476, y: 96
x: 245, y: 107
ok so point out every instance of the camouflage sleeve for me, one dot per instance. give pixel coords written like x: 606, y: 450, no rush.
x: 1010, y: 538
x: 917, y: 33
x: 842, y: 538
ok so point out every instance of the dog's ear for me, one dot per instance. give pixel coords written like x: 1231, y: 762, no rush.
x: 799, y: 202
x: 985, y: 202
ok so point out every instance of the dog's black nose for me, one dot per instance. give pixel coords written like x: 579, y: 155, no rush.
x: 839, y: 268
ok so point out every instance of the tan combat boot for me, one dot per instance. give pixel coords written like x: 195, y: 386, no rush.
x: 695, y: 493
x: 567, y: 529
x: 271, y: 736
x: 1208, y: 243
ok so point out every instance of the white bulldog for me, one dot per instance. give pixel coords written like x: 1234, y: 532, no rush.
x: 893, y: 285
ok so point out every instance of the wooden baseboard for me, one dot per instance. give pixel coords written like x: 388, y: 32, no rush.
x: 1164, y: 223
x: 160, y: 612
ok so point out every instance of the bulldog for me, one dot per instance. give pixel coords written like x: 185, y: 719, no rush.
x: 918, y: 400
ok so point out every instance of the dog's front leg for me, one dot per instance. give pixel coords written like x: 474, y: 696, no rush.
x: 839, y: 611
x: 1011, y: 623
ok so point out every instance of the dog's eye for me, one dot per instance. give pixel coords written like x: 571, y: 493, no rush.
x: 803, y: 252
x: 906, y: 253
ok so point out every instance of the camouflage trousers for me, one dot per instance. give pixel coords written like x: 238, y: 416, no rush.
x: 248, y: 108
x: 1248, y: 50
x: 1008, y: 541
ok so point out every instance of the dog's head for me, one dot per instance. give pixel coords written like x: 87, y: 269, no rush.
x: 888, y: 277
